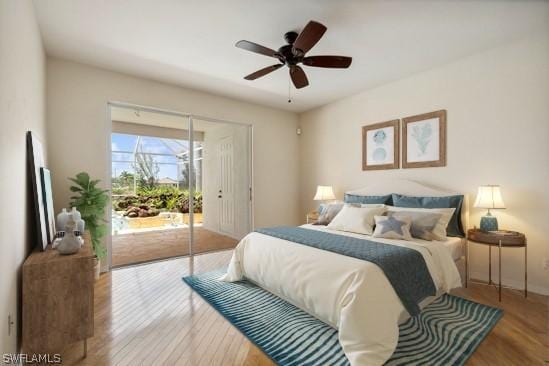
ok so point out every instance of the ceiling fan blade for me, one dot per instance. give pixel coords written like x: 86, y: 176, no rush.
x: 308, y: 37
x: 340, y: 62
x: 254, y: 47
x: 263, y: 72
x: 298, y: 77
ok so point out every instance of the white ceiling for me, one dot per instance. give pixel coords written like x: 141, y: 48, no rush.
x: 191, y: 42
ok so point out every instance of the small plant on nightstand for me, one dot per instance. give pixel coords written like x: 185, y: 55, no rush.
x: 91, y: 202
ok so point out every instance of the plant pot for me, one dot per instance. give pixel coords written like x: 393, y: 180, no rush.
x: 96, y: 268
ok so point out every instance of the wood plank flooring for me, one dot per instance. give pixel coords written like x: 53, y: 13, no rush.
x: 145, y: 315
x: 146, y: 246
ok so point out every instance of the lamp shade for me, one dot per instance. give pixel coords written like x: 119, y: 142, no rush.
x: 489, y: 196
x: 324, y: 193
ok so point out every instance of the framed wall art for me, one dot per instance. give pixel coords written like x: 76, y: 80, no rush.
x: 424, y: 140
x: 35, y: 159
x: 380, y: 146
x: 47, y: 196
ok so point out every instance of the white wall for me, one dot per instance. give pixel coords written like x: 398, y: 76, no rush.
x: 22, y: 101
x: 78, y: 130
x: 211, y: 178
x: 498, y: 132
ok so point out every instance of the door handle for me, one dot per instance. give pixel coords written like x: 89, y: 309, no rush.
x: 219, y: 196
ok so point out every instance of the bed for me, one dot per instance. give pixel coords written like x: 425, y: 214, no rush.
x: 353, y: 295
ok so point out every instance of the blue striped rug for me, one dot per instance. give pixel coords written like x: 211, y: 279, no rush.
x: 447, y: 332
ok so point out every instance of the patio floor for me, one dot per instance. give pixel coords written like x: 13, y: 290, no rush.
x: 146, y: 246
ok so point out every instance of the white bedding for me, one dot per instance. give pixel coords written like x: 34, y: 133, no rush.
x: 350, y: 294
x: 454, y: 246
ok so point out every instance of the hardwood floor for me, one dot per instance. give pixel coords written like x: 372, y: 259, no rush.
x: 160, y: 244
x: 145, y: 315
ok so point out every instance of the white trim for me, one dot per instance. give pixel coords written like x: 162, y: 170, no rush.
x: 108, y: 237
x: 171, y: 112
x: 508, y: 282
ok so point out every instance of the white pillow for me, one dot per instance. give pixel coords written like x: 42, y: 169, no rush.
x: 440, y: 229
x: 356, y: 219
x: 392, y: 227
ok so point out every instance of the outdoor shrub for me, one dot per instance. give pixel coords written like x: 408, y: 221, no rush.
x: 160, y: 198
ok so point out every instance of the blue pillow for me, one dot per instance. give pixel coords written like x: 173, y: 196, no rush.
x: 455, y: 227
x: 352, y: 198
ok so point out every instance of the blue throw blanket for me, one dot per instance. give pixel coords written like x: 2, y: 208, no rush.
x: 405, y: 268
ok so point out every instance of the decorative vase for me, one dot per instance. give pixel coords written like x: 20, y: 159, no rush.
x: 70, y: 243
x: 62, y: 218
x: 76, y: 216
x: 80, y: 226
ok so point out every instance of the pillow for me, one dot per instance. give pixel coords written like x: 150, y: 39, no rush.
x: 392, y: 227
x: 455, y: 227
x: 352, y: 198
x: 328, y: 213
x: 423, y: 223
x: 356, y: 219
x: 439, y: 231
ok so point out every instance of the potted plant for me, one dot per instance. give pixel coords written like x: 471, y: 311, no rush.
x: 91, y: 201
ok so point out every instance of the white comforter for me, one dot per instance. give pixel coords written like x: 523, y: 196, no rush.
x: 350, y: 294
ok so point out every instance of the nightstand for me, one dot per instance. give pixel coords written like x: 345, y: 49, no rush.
x: 312, y: 217
x: 500, y: 239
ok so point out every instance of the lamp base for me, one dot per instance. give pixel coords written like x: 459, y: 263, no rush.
x: 488, y: 223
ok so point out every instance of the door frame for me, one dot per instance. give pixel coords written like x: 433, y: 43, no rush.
x: 189, y: 117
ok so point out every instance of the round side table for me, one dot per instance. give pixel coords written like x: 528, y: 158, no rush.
x: 500, y: 239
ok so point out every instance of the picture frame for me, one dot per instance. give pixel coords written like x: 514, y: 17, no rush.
x: 47, y: 194
x: 424, y: 140
x: 380, y: 145
x: 35, y: 161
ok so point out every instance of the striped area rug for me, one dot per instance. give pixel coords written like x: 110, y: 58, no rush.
x: 447, y: 332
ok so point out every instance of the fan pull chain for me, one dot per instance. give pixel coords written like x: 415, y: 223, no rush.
x: 289, y: 91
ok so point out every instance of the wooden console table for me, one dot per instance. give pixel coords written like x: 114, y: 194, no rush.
x: 57, y: 299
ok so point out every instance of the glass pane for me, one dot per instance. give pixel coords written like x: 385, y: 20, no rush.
x: 150, y: 188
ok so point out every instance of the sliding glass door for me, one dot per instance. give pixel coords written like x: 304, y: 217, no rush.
x: 180, y: 185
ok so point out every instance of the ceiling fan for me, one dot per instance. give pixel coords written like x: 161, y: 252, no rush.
x: 293, y: 54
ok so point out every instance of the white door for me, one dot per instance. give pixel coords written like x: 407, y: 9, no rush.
x: 226, y: 186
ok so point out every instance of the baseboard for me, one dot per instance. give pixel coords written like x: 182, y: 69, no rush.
x: 519, y: 285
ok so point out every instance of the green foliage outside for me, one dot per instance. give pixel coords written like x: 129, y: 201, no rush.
x: 161, y: 198
x: 91, y: 201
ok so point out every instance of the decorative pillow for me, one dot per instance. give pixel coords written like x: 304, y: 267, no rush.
x: 439, y: 231
x: 328, y: 213
x: 356, y: 219
x: 392, y: 227
x: 423, y: 223
x: 455, y: 227
x: 352, y: 198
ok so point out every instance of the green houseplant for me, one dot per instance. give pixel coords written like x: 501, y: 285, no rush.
x: 91, y: 201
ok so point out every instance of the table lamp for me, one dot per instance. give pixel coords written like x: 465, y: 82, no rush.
x: 324, y: 193
x: 489, y: 197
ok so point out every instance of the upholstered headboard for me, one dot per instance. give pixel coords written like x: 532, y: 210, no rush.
x: 411, y: 188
